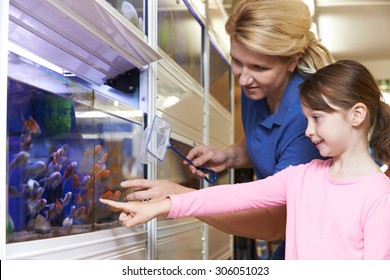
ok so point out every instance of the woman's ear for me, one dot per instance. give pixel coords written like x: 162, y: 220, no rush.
x: 358, y: 114
x: 294, y: 60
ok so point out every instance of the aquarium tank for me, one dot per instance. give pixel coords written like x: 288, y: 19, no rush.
x: 179, y: 36
x: 132, y: 10
x: 68, y: 145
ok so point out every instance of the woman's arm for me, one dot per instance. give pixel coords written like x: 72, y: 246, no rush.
x: 264, y: 223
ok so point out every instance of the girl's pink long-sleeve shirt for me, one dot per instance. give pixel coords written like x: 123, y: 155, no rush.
x: 326, y: 218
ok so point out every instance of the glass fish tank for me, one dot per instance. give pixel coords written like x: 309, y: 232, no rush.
x: 181, y: 238
x: 132, y: 10
x: 179, y: 36
x: 68, y: 145
x: 219, y: 77
x: 172, y: 168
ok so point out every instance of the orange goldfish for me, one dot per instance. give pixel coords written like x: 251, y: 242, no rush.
x: 80, y: 213
x: 70, y: 170
x: 30, y: 125
x: 54, y: 210
x: 78, y: 199
x: 55, y: 156
x: 107, y: 195
x: 85, y: 159
x: 117, y: 195
x: 75, y: 182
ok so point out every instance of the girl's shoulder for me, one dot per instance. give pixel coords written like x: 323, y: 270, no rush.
x: 313, y: 164
x: 316, y: 166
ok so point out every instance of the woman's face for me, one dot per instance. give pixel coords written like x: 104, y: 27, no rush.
x: 261, y: 76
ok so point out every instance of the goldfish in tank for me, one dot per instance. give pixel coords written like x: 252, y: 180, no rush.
x: 75, y: 182
x: 25, y: 141
x: 54, y: 209
x: 20, y: 159
x: 52, y: 181
x: 35, y: 193
x: 31, y: 185
x: 67, y: 198
x: 13, y: 191
x: 68, y: 221
x: 30, y: 125
x: 107, y: 195
x: 80, y: 214
x: 57, y: 156
x: 34, y: 170
x: 70, y: 170
x: 84, y: 182
x: 117, y: 195
x: 34, y: 206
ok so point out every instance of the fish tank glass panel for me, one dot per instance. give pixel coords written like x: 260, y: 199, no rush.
x: 180, y: 35
x: 132, y: 10
x: 219, y: 77
x: 173, y: 169
x: 68, y: 145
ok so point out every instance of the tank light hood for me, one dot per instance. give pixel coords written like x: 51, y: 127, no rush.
x: 88, y: 38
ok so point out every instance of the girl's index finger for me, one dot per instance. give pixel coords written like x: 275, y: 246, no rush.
x: 112, y: 203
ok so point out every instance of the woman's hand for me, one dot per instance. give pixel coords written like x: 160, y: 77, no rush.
x: 152, y: 190
x: 209, y: 157
x: 136, y: 213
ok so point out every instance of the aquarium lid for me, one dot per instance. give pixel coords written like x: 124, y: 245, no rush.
x: 89, y: 38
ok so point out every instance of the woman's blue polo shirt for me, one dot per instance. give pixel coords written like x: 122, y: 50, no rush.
x: 276, y: 141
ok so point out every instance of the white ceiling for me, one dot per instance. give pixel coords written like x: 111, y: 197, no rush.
x: 354, y: 29
x: 357, y: 29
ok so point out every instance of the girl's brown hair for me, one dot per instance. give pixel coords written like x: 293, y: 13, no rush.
x: 344, y: 84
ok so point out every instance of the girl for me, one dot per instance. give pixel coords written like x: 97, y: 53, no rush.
x: 337, y: 208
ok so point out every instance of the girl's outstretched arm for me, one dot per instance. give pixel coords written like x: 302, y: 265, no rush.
x: 136, y: 213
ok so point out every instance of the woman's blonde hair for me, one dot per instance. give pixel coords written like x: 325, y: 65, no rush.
x: 279, y: 28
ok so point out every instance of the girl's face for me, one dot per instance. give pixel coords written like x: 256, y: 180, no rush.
x: 261, y: 76
x: 329, y: 131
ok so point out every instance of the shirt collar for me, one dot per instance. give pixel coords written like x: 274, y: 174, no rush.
x: 289, y: 95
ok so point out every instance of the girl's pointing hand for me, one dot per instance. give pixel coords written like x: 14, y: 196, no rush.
x: 136, y: 213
